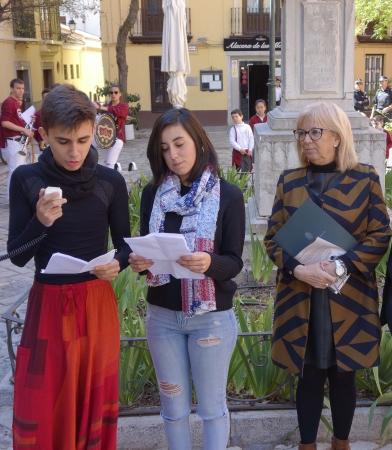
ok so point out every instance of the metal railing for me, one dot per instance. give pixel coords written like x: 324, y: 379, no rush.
x: 14, y: 326
x: 50, y: 23
x: 23, y: 23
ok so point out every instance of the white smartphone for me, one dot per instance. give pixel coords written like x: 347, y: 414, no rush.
x: 51, y: 189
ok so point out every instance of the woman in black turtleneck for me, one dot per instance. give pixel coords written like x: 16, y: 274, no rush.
x: 319, y: 334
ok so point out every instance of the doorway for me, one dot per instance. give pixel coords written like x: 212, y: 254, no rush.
x: 48, y: 78
x: 253, y: 85
x: 23, y: 74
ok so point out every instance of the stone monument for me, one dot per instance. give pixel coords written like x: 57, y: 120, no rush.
x: 317, y: 64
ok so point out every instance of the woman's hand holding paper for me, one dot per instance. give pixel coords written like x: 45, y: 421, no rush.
x: 139, y: 263
x: 318, y: 275
x: 198, y: 262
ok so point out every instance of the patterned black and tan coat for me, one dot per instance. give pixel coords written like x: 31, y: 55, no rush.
x: 356, y: 203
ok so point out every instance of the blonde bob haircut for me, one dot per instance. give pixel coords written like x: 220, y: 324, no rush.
x: 330, y: 117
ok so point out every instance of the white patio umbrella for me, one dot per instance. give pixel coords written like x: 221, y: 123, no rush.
x: 175, y: 56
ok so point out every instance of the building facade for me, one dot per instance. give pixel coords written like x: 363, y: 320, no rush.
x: 228, y: 43
x: 38, y: 49
x: 373, y: 58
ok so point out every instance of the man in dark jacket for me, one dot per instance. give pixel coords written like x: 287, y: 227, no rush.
x: 360, y: 98
x: 383, y: 99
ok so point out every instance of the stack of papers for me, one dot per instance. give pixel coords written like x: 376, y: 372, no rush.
x: 62, y: 264
x: 164, y: 249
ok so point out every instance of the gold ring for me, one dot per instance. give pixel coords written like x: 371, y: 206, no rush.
x: 326, y: 284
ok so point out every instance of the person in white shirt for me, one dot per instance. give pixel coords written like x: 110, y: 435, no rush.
x: 242, y: 141
x: 278, y: 91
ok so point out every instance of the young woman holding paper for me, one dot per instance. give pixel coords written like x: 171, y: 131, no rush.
x: 191, y: 326
x: 319, y: 334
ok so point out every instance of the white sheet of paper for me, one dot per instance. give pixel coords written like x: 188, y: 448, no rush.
x: 60, y: 263
x: 215, y: 84
x: 164, y: 249
x: 322, y: 250
x: 26, y: 116
x: 207, y: 78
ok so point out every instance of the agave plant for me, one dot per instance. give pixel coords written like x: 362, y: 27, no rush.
x: 251, y: 365
x: 260, y: 263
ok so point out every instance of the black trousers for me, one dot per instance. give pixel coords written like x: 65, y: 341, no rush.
x: 310, y: 399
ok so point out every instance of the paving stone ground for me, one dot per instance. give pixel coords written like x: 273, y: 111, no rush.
x: 15, y: 281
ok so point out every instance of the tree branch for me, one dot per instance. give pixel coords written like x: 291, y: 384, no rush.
x: 122, y: 39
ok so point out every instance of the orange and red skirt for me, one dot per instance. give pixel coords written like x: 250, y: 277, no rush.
x: 66, y: 379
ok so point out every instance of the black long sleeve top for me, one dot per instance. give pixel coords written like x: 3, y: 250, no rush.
x: 226, y: 260
x: 81, y: 232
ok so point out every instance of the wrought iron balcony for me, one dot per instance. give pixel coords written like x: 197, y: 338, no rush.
x: 254, y: 21
x: 50, y: 24
x: 149, y: 26
x: 23, y: 23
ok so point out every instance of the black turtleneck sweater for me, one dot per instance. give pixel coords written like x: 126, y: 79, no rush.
x: 81, y: 232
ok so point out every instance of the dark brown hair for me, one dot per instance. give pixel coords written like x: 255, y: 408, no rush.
x: 205, y: 151
x: 45, y: 91
x: 54, y: 85
x: 260, y: 100
x: 16, y: 81
x: 378, y: 119
x: 236, y: 111
x: 66, y: 107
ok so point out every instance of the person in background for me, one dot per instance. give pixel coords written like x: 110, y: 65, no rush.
x: 259, y: 117
x: 119, y: 110
x: 242, y: 142
x: 278, y: 91
x: 378, y: 124
x: 261, y: 113
x: 66, y: 379
x: 191, y: 327
x: 383, y: 100
x: 13, y: 127
x: 320, y: 334
x: 38, y: 123
x: 360, y: 99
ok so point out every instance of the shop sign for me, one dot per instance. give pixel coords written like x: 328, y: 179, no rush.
x: 259, y: 43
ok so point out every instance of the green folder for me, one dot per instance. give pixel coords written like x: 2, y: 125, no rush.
x: 308, y: 223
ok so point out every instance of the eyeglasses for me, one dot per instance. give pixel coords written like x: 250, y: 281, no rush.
x: 113, y: 92
x: 314, y: 134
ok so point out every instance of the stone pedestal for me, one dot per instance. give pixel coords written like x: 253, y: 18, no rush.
x: 317, y: 64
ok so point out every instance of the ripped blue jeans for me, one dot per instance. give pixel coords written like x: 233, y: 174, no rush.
x: 201, y: 345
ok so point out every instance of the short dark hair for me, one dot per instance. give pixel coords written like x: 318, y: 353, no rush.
x: 205, y: 151
x: 378, y: 118
x: 260, y: 100
x: 67, y: 107
x: 54, y: 85
x: 16, y: 81
x: 236, y: 111
x: 45, y: 91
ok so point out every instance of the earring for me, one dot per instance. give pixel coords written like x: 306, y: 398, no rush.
x: 202, y: 148
x: 335, y: 145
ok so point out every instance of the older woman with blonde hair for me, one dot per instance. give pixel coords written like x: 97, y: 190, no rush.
x: 319, y: 334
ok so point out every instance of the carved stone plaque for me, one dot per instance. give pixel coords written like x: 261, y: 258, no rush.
x: 321, y: 46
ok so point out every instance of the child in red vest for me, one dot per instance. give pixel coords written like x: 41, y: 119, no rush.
x: 261, y: 113
x: 378, y: 123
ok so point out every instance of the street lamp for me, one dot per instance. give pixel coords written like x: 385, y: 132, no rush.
x: 72, y: 25
x: 272, y: 81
